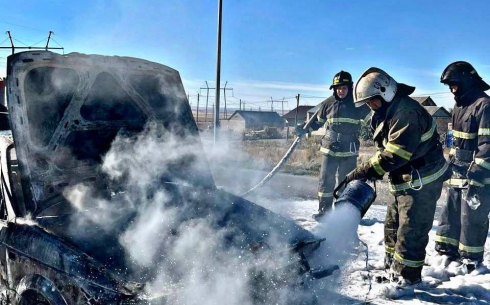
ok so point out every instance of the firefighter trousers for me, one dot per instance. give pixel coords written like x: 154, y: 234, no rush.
x: 409, y: 219
x: 462, y: 232
x: 331, y: 166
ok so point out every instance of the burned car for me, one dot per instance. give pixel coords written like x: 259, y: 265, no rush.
x: 107, y: 197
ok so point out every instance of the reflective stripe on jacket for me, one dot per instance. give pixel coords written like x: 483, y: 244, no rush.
x: 340, y: 117
x: 408, y: 146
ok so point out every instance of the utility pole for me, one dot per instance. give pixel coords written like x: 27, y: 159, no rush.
x: 297, y: 106
x: 282, y: 105
x: 287, y: 127
x: 218, y: 90
x: 207, y: 99
x: 197, y: 116
x: 47, y: 47
x: 218, y: 73
x: 282, y: 102
x: 224, y: 95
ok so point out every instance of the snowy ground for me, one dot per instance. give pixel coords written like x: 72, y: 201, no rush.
x: 291, y: 196
x: 356, y: 281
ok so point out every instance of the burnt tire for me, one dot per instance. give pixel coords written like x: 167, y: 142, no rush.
x: 31, y: 297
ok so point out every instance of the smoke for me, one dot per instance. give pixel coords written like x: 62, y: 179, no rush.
x: 177, y: 232
x: 227, y: 162
x: 184, y: 239
x: 339, y: 228
x: 209, y: 274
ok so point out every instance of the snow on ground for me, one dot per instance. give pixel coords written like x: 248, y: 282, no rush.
x: 356, y: 281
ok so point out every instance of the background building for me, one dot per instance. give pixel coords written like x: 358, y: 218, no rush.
x: 301, y: 113
x: 242, y: 120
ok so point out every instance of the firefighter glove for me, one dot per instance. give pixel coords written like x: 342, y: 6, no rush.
x: 356, y: 174
x: 300, y: 131
x: 363, y: 172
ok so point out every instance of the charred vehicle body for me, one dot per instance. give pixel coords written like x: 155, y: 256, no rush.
x: 59, y: 245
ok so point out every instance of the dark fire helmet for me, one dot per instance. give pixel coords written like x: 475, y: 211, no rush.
x: 462, y: 74
x: 340, y: 79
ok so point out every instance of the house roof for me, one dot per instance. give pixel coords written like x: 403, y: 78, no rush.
x: 258, y: 116
x: 302, y: 111
x: 425, y: 100
x: 314, y: 109
x: 440, y: 111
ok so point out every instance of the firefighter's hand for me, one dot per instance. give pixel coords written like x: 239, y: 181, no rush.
x: 300, y: 131
x: 356, y: 174
x: 363, y: 172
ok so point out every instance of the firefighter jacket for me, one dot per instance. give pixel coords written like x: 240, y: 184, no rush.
x: 408, y: 146
x: 470, y: 155
x: 342, y: 122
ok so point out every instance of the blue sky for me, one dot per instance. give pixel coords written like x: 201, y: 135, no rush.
x: 270, y: 48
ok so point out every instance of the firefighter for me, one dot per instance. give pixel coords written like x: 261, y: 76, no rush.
x: 340, y: 144
x: 463, y: 224
x: 408, y: 149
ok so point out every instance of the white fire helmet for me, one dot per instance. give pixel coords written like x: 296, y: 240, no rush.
x: 373, y: 82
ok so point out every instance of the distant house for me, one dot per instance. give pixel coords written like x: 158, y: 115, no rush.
x: 242, y: 120
x: 424, y: 100
x: 441, y: 116
x: 301, y: 112
x: 312, y: 111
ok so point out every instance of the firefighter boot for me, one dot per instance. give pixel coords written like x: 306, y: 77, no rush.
x: 324, y: 206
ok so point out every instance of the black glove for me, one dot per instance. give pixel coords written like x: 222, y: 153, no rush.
x: 363, y: 172
x: 473, y: 191
x: 300, y: 131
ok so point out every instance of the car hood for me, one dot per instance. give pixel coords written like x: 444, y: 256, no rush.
x: 66, y: 110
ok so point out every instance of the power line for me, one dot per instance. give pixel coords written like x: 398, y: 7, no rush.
x: 22, y: 26
x: 55, y: 41
x: 19, y: 41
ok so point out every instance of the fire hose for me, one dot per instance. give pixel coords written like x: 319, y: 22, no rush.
x: 286, y: 157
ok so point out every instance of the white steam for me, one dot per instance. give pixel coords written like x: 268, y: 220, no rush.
x: 190, y: 256
x: 339, y: 228
x: 140, y: 238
